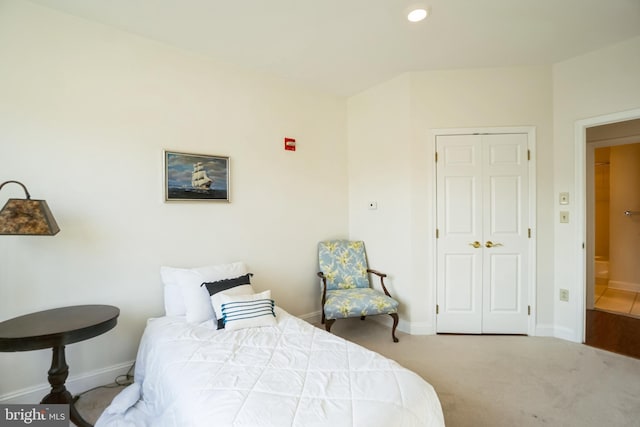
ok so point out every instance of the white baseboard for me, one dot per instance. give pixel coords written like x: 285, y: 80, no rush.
x: 423, y: 328
x: 75, y: 384
x: 314, y: 317
x: 557, y: 332
x: 545, y: 331
x: 411, y: 328
x: 624, y: 286
x: 419, y: 328
x: 567, y: 334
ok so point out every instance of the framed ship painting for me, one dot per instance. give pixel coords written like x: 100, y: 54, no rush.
x: 195, y: 177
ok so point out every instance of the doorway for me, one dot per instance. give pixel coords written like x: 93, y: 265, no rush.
x: 616, y: 201
x: 612, y: 288
x: 484, y: 245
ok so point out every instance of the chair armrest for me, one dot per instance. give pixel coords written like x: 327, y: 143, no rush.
x: 381, y: 276
x: 324, y: 286
x: 376, y: 272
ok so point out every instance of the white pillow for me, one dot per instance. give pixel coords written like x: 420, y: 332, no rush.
x: 248, y: 311
x: 182, y: 291
x: 173, y: 300
x: 216, y: 300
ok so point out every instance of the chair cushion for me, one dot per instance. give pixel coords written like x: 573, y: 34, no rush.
x: 344, y: 264
x: 343, y: 303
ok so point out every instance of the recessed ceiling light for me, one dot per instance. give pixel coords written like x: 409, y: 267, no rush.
x: 417, y: 15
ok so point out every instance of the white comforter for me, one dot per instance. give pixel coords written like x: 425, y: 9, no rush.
x: 292, y: 374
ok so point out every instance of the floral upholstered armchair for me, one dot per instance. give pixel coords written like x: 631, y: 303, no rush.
x: 346, y: 291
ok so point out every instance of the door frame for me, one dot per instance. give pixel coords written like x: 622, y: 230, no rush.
x: 432, y: 224
x: 582, y: 262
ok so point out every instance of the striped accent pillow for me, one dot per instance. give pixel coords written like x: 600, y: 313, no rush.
x: 248, y: 311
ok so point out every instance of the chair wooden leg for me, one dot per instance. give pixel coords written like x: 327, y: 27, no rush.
x: 322, y: 316
x: 328, y: 324
x: 395, y: 324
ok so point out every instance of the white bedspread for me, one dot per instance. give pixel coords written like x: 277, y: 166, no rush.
x: 292, y: 374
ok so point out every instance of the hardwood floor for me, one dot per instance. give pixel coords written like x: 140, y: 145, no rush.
x: 613, y: 332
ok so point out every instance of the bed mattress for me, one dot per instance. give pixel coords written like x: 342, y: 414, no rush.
x: 291, y: 374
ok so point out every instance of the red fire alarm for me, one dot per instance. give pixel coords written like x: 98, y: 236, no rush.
x: 290, y: 144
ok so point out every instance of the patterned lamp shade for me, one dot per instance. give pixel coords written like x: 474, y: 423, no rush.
x: 27, y: 217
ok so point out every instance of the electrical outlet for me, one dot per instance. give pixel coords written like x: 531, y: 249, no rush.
x: 564, y: 295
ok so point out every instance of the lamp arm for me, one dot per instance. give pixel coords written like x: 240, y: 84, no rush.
x: 26, y: 192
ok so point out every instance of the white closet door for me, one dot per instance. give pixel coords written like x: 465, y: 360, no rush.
x: 459, y: 211
x: 482, y: 223
x: 505, y: 217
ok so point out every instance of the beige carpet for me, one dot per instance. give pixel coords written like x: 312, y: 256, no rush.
x: 498, y: 380
x: 92, y: 403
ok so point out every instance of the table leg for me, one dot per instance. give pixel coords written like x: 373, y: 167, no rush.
x: 59, y: 394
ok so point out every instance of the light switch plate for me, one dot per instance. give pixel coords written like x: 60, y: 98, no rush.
x: 564, y: 198
x: 564, y: 217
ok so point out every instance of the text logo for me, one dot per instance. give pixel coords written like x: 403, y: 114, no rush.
x: 34, y: 415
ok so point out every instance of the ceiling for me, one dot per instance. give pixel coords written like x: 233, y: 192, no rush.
x: 346, y: 46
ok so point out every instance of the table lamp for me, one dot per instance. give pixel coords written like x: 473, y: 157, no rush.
x: 26, y: 217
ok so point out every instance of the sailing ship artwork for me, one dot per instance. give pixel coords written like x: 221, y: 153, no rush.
x: 199, y: 179
x: 196, y: 177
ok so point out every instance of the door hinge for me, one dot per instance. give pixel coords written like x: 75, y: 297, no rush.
x: 529, y: 233
x: 437, y: 233
x: 528, y: 310
x: 437, y: 309
x: 528, y: 154
x: 436, y: 157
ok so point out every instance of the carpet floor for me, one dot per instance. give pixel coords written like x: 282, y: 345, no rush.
x: 496, y: 380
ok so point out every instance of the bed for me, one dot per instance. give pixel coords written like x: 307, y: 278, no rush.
x: 285, y: 373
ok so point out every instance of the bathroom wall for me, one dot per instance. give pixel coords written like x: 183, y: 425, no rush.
x: 601, y: 185
x: 624, y: 230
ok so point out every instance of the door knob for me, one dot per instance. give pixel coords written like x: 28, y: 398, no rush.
x: 490, y: 244
x: 475, y: 244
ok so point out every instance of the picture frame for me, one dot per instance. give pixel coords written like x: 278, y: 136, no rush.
x: 195, y: 177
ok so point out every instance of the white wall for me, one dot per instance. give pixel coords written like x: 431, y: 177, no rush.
x: 379, y: 146
x: 85, y: 113
x: 391, y: 161
x: 599, y: 83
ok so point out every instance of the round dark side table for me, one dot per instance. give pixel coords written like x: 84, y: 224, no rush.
x: 54, y: 329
